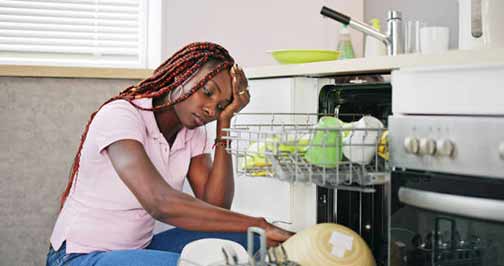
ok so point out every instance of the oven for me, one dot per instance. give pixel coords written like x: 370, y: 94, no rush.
x: 447, y: 204
x: 447, y: 158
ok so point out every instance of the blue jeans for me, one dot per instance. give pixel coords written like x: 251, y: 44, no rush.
x: 164, y: 250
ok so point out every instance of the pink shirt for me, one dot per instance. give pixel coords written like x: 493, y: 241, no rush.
x: 101, y: 213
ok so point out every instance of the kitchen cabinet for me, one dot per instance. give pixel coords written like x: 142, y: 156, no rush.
x: 267, y: 197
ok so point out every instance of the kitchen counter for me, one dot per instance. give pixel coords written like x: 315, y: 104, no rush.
x: 379, y: 65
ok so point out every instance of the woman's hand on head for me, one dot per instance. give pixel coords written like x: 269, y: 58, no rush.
x: 241, y: 95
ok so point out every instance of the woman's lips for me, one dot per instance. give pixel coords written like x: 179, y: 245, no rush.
x: 198, y: 120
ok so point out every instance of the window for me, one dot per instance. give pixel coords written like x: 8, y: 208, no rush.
x: 95, y: 33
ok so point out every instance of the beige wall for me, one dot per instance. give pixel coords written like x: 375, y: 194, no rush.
x: 433, y: 12
x: 41, y: 123
x: 249, y: 28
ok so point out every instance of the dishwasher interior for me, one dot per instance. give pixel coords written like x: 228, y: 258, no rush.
x: 363, y: 211
x: 338, y: 149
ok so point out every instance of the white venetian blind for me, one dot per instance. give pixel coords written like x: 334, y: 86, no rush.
x: 73, y: 32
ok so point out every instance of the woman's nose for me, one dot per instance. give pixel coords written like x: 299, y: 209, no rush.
x: 210, y: 111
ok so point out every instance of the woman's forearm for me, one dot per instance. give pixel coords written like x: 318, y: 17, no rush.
x: 219, y: 189
x: 182, y: 210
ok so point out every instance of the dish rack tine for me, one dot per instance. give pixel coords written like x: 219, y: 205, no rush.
x: 272, y: 120
x: 284, y: 252
x: 262, y: 244
x: 226, y: 256
x: 336, y: 111
x: 272, y: 258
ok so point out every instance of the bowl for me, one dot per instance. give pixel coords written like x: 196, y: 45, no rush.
x: 361, y: 144
x: 210, y: 251
x: 304, y: 56
x: 328, y: 244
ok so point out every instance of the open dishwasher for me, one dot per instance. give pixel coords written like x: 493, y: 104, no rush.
x: 345, y: 158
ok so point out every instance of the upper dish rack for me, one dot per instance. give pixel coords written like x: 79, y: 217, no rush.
x: 298, y: 147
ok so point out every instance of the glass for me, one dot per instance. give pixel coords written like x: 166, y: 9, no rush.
x: 412, y: 36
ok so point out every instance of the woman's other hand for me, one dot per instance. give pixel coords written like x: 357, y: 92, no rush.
x: 241, y: 95
x: 276, y: 235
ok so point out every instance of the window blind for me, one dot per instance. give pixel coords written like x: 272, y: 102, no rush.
x: 73, y: 32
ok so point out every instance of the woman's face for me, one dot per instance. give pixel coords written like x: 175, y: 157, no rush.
x: 206, y: 103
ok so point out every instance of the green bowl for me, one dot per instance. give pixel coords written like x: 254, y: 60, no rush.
x: 304, y: 56
x: 325, y: 149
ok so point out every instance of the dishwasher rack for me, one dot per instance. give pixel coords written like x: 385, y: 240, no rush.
x: 293, y: 147
x: 273, y: 256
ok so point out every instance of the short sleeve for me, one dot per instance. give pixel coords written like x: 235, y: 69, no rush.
x: 200, y: 143
x: 117, y: 120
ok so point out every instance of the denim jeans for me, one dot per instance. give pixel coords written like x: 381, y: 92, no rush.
x: 163, y: 250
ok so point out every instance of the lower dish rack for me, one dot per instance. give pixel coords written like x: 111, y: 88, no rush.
x: 273, y: 256
x: 311, y: 148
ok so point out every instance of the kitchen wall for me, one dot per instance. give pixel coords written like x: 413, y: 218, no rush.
x: 42, y: 121
x: 250, y: 28
x: 433, y: 12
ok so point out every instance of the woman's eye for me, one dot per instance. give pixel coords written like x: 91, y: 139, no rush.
x: 220, y: 107
x: 207, y: 91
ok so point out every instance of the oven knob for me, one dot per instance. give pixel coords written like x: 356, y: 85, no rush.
x: 411, y: 145
x: 427, y: 147
x: 501, y: 150
x: 445, y: 147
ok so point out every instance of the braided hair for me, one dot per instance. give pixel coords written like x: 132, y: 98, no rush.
x: 166, y: 78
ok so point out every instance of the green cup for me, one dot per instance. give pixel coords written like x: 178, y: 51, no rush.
x: 325, y: 149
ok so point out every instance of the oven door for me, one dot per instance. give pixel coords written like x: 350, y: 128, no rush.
x: 442, y: 219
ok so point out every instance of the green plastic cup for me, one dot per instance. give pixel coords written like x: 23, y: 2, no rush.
x: 325, y: 149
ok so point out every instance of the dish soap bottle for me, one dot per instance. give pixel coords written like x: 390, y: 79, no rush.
x: 345, y: 44
x: 374, y: 47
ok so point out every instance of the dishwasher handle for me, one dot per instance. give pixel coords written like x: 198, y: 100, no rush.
x: 478, y: 208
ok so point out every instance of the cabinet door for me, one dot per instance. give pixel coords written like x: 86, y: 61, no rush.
x: 260, y: 196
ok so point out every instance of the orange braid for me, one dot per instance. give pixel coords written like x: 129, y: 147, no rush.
x: 168, y: 76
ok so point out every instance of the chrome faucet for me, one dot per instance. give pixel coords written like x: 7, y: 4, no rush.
x: 394, y: 37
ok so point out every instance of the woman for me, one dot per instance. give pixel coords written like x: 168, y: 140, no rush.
x: 133, y: 158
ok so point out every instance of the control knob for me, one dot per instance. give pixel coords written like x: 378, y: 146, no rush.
x: 445, y: 147
x: 427, y: 147
x: 411, y: 145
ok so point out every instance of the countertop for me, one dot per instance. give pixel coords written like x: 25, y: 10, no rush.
x: 380, y: 64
